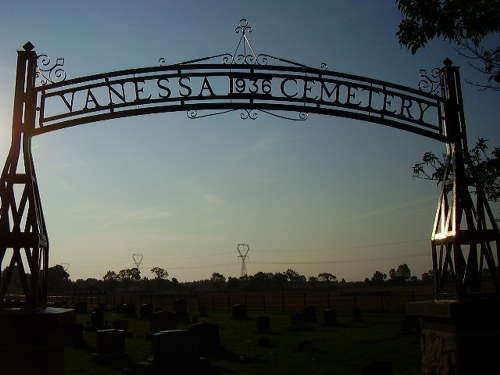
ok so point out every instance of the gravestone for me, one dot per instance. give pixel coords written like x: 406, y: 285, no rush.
x: 126, y: 309
x: 263, y: 324
x: 110, y: 345
x: 145, y: 310
x: 97, y: 320
x: 206, y: 336
x: 330, y: 317
x: 309, y: 314
x: 175, y: 352
x: 180, y: 309
x: 32, y: 341
x: 162, y: 321
x: 121, y: 324
x: 239, y: 311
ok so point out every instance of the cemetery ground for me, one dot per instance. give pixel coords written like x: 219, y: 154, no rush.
x: 319, y: 348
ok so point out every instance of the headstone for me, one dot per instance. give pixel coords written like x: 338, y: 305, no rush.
x: 180, y: 309
x: 110, y: 343
x: 175, y: 352
x: 97, y: 319
x: 121, y: 324
x: 297, y: 322
x: 239, y: 311
x: 162, y: 321
x: 206, y: 336
x: 330, y: 317
x: 309, y: 314
x: 129, y: 310
x: 145, y: 310
x: 263, y: 324
x: 32, y: 342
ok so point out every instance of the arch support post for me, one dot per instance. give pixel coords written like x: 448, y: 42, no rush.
x: 465, y: 237
x: 459, y: 329
x: 24, y: 243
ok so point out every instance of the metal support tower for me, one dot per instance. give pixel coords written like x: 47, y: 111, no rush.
x: 465, y: 232
x: 243, y: 250
x: 137, y: 258
x: 22, y: 225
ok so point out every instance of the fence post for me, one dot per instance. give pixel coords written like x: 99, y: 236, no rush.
x: 328, y: 299
x: 283, y: 302
x: 382, y: 302
x: 229, y: 303
x: 264, y: 301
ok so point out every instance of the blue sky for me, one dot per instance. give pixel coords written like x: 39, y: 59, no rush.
x: 325, y: 195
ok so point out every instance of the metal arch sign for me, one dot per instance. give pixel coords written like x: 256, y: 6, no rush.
x: 45, y: 101
x: 251, y: 86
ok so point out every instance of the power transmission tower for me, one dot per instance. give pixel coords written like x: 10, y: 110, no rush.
x: 243, y: 250
x: 65, y: 266
x: 137, y: 260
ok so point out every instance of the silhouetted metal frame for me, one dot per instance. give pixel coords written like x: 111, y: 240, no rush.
x: 465, y: 232
x: 248, y: 85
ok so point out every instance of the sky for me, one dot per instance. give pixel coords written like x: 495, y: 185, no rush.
x: 325, y: 195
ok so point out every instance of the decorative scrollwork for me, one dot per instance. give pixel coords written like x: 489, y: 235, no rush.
x: 243, y: 27
x: 430, y: 83
x: 192, y: 114
x: 301, y: 116
x: 323, y: 66
x: 162, y: 61
x: 248, y: 114
x: 48, y: 72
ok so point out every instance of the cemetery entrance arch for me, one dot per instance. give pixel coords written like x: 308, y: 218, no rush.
x: 464, y: 236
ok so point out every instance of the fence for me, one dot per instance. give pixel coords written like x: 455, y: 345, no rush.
x: 383, y: 300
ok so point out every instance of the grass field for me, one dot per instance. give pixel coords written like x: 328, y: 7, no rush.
x: 341, y: 349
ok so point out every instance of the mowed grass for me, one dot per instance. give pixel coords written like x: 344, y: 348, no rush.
x: 341, y: 349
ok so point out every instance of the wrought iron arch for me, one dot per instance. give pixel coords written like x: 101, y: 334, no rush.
x: 464, y: 234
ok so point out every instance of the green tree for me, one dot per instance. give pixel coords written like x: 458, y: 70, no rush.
x: 468, y: 23
x: 127, y: 276
x: 328, y: 278
x: 110, y: 281
x: 57, y: 278
x: 378, y: 278
x: 218, y: 280
x: 486, y: 165
x: 161, y: 275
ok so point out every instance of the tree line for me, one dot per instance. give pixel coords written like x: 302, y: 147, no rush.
x: 131, y: 280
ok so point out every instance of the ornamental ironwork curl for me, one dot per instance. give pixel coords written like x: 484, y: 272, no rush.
x: 48, y: 72
x: 301, y: 116
x: 430, y: 82
x: 248, y: 114
x: 193, y: 114
x: 243, y: 27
